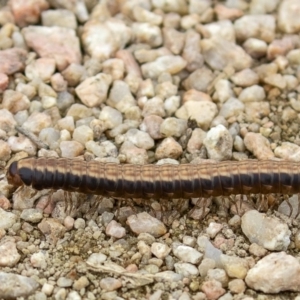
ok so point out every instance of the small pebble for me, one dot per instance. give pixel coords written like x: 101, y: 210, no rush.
x: 96, y: 259
x: 9, y: 255
x: 160, y: 250
x: 187, y: 254
x: 143, y: 222
x: 212, y: 289
x: 218, y: 143
x: 26, y: 286
x: 234, y: 266
x: 268, y: 232
x: 115, y: 230
x: 110, y: 284
x: 282, y: 270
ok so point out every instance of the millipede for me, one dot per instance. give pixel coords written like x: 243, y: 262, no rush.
x: 167, y: 181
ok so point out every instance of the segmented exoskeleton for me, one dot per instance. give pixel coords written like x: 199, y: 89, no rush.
x: 157, y: 181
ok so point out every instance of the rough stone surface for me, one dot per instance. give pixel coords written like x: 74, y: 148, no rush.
x: 143, y: 222
x: 283, y: 274
x: 26, y: 286
x: 55, y: 42
x: 268, y: 232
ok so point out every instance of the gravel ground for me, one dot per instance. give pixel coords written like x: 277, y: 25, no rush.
x: 148, y: 81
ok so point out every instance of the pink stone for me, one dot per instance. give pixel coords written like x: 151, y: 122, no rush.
x: 3, y: 82
x: 59, y: 43
x: 27, y: 12
x: 12, y: 60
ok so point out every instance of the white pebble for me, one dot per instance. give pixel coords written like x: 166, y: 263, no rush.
x: 269, y: 232
x: 218, y: 143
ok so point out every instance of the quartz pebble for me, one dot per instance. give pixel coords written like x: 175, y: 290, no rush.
x: 192, y: 52
x: 196, y: 140
x: 209, y: 250
x: 268, y: 232
x: 213, y: 229
x: 288, y: 21
x: 187, y: 254
x: 93, y: 90
x: 96, y: 259
x: 258, y: 145
x: 202, y: 112
x: 7, y: 219
x: 38, y: 260
x: 31, y: 215
x: 218, y: 52
x: 139, y: 139
x: 245, y: 78
x: 186, y: 269
x: 219, y: 275
x: 97, y: 41
x: 115, y: 230
x: 258, y: 26
x: 147, y: 33
x: 218, y: 143
x: 288, y: 151
x: 26, y: 13
x: 253, y: 93
x: 59, y: 17
x: 168, y: 148
x: 151, y: 124
x: 110, y: 284
x: 232, y: 108
x: 37, y: 121
x: 206, y: 265
x: 169, y: 63
x: 120, y: 96
x: 12, y: 60
x: 160, y: 250
x: 64, y: 282
x: 199, y: 80
x: 143, y: 222
x: 255, y: 48
x: 223, y: 90
x: 213, y: 289
x: 56, y: 42
x: 42, y: 68
x: 71, y: 149
x: 83, y: 134
x: 173, y: 127
x: 9, y: 255
x: 26, y: 285
x: 234, y: 266
x: 237, y: 286
x: 282, y: 270
x: 81, y: 283
x: 133, y: 154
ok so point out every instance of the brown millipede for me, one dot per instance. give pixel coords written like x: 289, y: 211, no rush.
x: 157, y: 181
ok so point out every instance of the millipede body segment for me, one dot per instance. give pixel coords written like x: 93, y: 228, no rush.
x: 157, y: 181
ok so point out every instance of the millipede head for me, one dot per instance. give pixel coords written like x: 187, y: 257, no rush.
x: 13, y: 176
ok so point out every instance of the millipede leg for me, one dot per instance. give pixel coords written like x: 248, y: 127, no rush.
x: 201, y: 204
x: 298, y: 209
x: 94, y: 206
x: 68, y: 203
